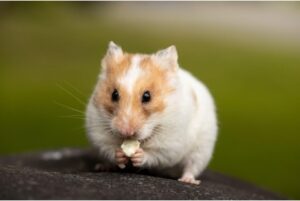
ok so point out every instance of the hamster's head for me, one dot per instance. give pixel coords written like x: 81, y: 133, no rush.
x: 133, y: 89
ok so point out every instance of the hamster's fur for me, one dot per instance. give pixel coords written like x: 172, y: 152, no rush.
x: 177, y: 125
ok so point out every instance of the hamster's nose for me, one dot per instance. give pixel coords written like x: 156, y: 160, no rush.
x: 127, y: 132
x: 124, y: 127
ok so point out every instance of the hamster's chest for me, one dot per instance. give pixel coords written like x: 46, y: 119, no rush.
x: 163, y: 142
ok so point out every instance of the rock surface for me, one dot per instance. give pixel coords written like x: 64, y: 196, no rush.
x: 70, y: 174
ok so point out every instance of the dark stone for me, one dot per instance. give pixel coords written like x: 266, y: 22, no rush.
x: 69, y: 174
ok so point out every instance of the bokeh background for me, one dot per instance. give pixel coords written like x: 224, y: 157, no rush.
x: 248, y: 53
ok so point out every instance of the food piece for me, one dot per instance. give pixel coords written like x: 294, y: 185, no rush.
x: 122, y: 166
x: 129, y: 147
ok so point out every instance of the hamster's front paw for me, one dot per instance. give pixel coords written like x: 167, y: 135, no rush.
x: 120, y: 158
x: 138, y: 158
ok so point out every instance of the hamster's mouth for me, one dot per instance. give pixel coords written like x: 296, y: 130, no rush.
x: 155, y: 131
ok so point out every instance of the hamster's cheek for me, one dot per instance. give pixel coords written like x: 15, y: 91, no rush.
x: 146, y: 131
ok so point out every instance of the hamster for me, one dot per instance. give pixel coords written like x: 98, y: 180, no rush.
x: 149, y: 98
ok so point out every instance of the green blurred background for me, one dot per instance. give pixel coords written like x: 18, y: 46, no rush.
x: 248, y: 53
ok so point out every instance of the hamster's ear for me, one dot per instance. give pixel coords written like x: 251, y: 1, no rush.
x: 168, y: 57
x: 113, y: 55
x: 114, y: 50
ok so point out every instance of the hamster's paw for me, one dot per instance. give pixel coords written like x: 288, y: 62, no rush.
x: 138, y: 158
x: 189, y: 179
x: 120, y: 158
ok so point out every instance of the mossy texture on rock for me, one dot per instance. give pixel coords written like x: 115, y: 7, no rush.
x: 69, y: 174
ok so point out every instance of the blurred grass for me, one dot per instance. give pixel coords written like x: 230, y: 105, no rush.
x: 47, y: 45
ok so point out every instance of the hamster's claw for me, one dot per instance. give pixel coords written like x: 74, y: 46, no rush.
x: 121, y: 159
x: 138, y: 158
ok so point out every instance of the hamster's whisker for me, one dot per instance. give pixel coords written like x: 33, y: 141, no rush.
x: 74, y: 88
x: 69, y: 107
x: 70, y: 117
x: 102, y: 120
x: 75, y: 115
x: 71, y: 94
x: 107, y: 116
x: 93, y: 127
x: 105, y: 126
x: 109, y: 131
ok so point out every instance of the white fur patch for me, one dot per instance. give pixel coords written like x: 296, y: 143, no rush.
x: 129, y: 79
x: 134, y: 72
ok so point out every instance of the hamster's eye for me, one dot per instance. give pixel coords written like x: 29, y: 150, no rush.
x: 115, y: 96
x: 146, y: 97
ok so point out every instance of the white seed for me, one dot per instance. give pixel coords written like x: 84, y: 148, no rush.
x: 129, y: 147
